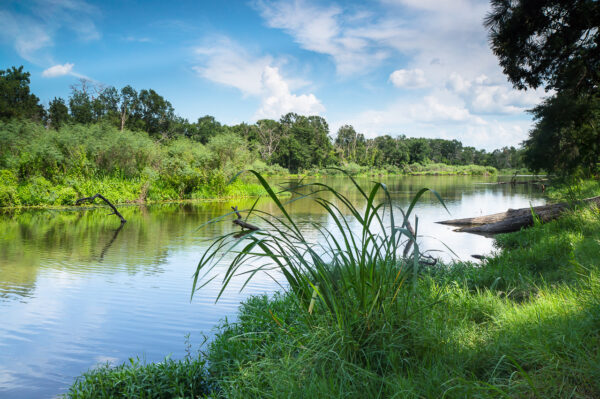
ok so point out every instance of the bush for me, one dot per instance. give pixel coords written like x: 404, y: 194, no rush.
x: 168, y: 379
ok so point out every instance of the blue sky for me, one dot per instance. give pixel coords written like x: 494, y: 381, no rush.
x: 421, y: 68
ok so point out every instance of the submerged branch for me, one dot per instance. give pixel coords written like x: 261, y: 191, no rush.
x: 91, y: 199
x: 242, y: 223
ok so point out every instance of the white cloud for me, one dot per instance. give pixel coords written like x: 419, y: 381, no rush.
x: 34, y: 31
x: 408, y: 78
x: 227, y: 63
x: 323, y: 30
x: 277, y: 99
x: 58, y: 70
x: 486, y: 97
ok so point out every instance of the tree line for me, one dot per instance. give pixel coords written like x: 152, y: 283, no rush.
x: 294, y: 142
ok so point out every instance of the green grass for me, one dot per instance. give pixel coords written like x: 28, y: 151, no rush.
x: 523, y: 324
x: 168, y: 379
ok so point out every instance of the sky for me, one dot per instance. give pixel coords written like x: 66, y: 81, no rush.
x: 421, y: 68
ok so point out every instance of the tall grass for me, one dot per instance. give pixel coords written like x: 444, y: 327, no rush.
x: 351, y: 271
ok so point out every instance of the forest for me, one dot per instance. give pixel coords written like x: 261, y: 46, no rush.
x: 132, y: 144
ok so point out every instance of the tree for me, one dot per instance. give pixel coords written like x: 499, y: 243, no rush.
x: 566, y: 136
x: 157, y: 113
x: 80, y: 103
x: 16, y: 101
x: 305, y: 142
x: 269, y: 136
x: 58, y: 113
x: 129, y: 104
x: 554, y: 44
x: 206, y: 128
x: 551, y: 43
x: 349, y: 142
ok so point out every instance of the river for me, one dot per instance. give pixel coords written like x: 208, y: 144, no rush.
x: 75, y: 291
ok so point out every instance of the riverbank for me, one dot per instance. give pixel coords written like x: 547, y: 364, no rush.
x: 41, y: 192
x: 47, y: 167
x: 524, y: 324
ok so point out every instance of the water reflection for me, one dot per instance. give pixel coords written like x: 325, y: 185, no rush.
x: 75, y: 289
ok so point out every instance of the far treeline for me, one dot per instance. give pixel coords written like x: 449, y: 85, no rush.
x: 294, y: 142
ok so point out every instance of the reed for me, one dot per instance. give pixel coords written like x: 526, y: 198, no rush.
x: 358, y: 265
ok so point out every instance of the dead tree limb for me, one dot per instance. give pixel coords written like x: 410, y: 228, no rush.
x: 514, y: 219
x: 91, y: 200
x: 242, y: 223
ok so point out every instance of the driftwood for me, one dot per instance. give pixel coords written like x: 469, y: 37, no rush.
x: 242, y: 223
x: 91, y: 199
x: 513, y: 219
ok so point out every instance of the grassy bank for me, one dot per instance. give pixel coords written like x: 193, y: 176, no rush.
x: 40, y: 167
x: 525, y: 323
x: 46, y: 167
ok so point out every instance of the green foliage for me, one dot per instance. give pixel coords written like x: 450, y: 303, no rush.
x: 168, y: 379
x: 554, y: 44
x: 16, y: 101
x: 351, y: 273
x: 58, y: 113
x: 566, y: 137
x: 547, y: 43
x: 53, y: 167
x: 8, y: 191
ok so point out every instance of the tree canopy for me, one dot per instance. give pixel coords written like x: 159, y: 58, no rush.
x: 554, y: 44
x: 16, y: 101
x: 548, y: 43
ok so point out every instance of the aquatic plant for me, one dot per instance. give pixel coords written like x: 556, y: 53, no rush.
x: 358, y: 265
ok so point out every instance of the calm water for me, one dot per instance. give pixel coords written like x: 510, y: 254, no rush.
x: 75, y: 291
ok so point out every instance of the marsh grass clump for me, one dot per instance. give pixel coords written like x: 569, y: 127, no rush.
x: 186, y: 378
x: 351, y: 271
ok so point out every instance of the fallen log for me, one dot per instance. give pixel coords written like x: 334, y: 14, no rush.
x: 91, y: 199
x: 513, y: 219
x: 242, y: 223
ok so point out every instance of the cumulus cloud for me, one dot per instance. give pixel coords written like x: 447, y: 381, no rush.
x: 229, y: 64
x: 58, y: 70
x: 433, y: 118
x: 277, y: 99
x: 408, y: 78
x: 486, y: 97
x: 322, y: 29
x: 444, y: 50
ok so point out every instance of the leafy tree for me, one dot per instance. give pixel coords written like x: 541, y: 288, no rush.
x: 156, y: 112
x: 81, y: 107
x: 305, y: 142
x: 58, y: 113
x: 16, y: 101
x: 206, y: 128
x: 566, y: 136
x: 552, y: 43
x: 419, y: 150
x: 129, y: 105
